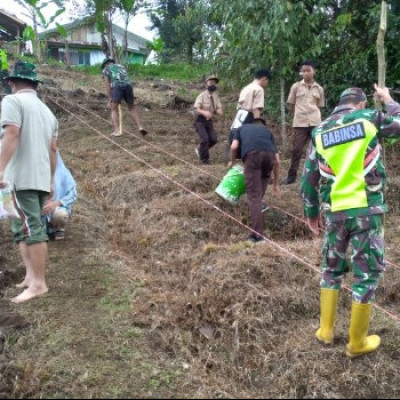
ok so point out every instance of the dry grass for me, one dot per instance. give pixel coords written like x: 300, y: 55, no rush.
x: 156, y: 294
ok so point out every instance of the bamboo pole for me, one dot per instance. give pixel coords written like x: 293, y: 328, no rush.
x: 380, y: 48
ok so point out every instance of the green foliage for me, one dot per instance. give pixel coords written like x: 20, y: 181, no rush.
x: 175, y: 72
x: 339, y: 35
x: 61, y: 31
x: 157, y: 45
x: 183, y: 26
x: 28, y: 33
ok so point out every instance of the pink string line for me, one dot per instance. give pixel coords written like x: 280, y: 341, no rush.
x: 200, y: 169
x: 212, y: 205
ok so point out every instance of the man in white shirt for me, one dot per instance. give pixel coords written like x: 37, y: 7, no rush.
x: 27, y: 162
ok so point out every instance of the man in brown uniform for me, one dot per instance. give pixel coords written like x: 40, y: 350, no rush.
x: 206, y: 106
x: 251, y: 102
x: 251, y: 98
x: 305, y: 100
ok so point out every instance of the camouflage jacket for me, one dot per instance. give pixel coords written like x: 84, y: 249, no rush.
x: 314, y: 186
x: 117, y: 75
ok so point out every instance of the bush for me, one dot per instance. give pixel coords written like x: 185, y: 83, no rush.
x: 179, y: 72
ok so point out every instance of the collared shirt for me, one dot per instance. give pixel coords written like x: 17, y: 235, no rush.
x: 307, y: 101
x: 251, y: 97
x: 29, y: 167
x: 117, y: 75
x: 208, y: 102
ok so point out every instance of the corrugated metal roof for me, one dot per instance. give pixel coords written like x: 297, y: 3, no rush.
x: 10, y: 25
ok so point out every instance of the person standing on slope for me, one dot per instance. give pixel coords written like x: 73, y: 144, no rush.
x: 345, y: 165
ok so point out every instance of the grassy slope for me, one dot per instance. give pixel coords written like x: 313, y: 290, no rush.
x: 155, y: 295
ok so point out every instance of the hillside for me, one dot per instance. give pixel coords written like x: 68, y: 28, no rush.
x: 155, y: 293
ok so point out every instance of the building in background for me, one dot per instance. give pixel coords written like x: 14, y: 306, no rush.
x: 11, y: 29
x: 85, y: 43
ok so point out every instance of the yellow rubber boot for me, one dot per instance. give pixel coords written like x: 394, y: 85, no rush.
x: 328, y: 303
x: 360, y: 343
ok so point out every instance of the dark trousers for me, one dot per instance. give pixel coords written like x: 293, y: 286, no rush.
x: 258, y: 166
x: 301, y: 137
x: 208, y: 137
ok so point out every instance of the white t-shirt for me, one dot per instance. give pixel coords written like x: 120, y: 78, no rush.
x: 29, y: 168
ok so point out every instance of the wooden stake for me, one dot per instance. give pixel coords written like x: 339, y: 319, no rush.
x: 120, y: 119
x: 380, y: 48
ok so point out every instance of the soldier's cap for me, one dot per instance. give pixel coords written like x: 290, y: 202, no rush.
x: 24, y: 70
x: 212, y: 77
x: 105, y: 61
x: 355, y: 93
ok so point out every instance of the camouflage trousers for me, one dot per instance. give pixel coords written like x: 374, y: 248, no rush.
x: 367, y: 260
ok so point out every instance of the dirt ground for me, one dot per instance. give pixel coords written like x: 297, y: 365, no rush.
x: 155, y: 294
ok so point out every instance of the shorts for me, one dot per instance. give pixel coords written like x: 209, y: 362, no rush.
x: 122, y: 92
x: 30, y: 228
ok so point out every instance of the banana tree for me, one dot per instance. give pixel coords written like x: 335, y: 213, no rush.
x: 128, y: 8
x: 34, y: 10
x: 64, y: 34
x: 104, y: 10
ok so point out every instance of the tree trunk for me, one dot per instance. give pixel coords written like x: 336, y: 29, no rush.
x: 189, y: 51
x: 110, y: 35
x: 37, y: 39
x: 67, y: 55
x: 283, y: 114
x: 104, y: 45
x: 125, y: 55
x: 45, y: 51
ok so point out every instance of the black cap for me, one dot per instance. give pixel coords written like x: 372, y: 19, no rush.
x: 310, y: 63
x: 105, y: 61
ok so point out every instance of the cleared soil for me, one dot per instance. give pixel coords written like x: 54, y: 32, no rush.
x: 154, y: 293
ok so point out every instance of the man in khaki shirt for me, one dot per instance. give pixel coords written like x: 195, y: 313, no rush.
x: 305, y: 100
x: 206, y: 106
x: 251, y: 102
x: 251, y: 97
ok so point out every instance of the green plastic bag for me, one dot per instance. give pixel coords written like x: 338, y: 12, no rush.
x: 232, y: 186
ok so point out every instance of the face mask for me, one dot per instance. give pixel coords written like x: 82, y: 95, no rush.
x: 212, y: 88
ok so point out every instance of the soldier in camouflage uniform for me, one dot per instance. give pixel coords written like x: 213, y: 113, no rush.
x: 345, y: 163
x: 119, y: 87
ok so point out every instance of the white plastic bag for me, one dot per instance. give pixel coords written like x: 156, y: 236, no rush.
x: 7, y: 203
x: 240, y: 117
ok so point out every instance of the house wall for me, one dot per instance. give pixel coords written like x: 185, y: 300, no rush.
x: 96, y: 57
x: 92, y: 34
x: 88, y: 34
x: 137, y: 59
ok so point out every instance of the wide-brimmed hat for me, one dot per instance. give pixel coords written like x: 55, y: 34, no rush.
x: 355, y: 93
x: 212, y: 77
x: 105, y: 61
x: 24, y: 70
